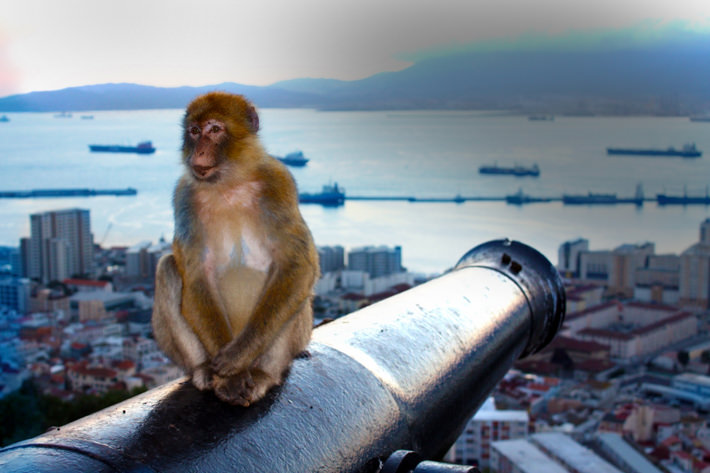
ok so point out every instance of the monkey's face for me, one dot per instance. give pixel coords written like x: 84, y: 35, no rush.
x: 206, y: 141
x: 216, y: 128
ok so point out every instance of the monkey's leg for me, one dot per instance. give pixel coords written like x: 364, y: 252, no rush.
x: 269, y: 369
x: 172, y: 332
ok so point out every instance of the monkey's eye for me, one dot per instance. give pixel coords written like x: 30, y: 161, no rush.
x: 194, y: 130
x: 215, y: 129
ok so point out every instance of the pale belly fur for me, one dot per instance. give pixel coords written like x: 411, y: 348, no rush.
x: 236, y: 265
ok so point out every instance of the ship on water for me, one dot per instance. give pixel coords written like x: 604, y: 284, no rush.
x: 144, y: 147
x: 685, y: 199
x: 295, y: 158
x: 541, y: 118
x: 596, y: 198
x: 74, y: 192
x: 517, y: 171
x: 687, y: 151
x: 331, y: 195
x: 520, y: 198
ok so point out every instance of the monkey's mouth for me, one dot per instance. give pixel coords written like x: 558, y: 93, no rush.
x: 204, y: 173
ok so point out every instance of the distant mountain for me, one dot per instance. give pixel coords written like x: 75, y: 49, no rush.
x: 135, y: 97
x: 667, y: 77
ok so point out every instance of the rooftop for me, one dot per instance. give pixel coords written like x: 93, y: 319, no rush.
x: 527, y: 457
x: 572, y: 453
x: 501, y: 416
x: 616, y: 444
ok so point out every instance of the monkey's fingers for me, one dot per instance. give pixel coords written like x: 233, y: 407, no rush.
x: 223, y: 365
x: 237, y: 390
x: 232, y: 359
x: 202, y: 377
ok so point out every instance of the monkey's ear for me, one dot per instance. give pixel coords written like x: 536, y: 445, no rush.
x: 253, y: 118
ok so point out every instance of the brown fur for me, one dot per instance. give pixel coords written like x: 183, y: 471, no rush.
x: 233, y: 301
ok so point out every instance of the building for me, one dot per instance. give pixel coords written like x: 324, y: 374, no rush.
x: 60, y: 245
x: 485, y: 427
x: 627, y: 458
x: 686, y: 389
x: 521, y: 456
x: 568, y: 257
x: 595, y: 266
x: 659, y: 281
x: 571, y: 454
x: 569, y: 357
x: 15, y: 293
x: 632, y: 330
x: 695, y: 275
x: 331, y: 259
x: 88, y: 285
x: 376, y: 261
x: 96, y: 305
x: 142, y: 259
x: 84, y: 378
x: 626, y: 260
x: 693, y: 383
x: 581, y: 296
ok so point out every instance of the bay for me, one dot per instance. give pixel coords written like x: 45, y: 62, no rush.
x: 417, y: 153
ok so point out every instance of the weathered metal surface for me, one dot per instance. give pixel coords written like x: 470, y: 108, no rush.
x: 406, y: 373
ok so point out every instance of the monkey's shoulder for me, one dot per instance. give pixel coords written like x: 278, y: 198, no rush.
x: 276, y: 178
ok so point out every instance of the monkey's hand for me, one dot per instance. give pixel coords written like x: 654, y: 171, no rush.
x: 232, y: 358
x: 237, y: 390
x: 202, y: 377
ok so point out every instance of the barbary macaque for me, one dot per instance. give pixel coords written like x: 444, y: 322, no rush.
x: 233, y: 300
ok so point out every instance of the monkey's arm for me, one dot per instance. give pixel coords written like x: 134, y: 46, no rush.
x: 289, y: 284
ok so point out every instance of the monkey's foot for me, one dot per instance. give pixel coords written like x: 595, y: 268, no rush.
x: 202, y: 377
x: 304, y: 355
x: 238, y: 389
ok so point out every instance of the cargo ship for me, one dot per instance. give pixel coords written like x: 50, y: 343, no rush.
x: 518, y: 171
x: 294, y: 159
x: 520, y: 198
x: 144, y: 147
x: 331, y: 196
x: 78, y: 192
x: 541, y: 118
x: 687, y: 151
x: 685, y: 199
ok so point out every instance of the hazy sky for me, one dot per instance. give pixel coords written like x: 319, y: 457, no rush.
x: 51, y: 44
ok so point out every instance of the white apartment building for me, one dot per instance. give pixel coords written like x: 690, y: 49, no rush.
x: 632, y: 330
x: 376, y: 261
x: 488, y: 425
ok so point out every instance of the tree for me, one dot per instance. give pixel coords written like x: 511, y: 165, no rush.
x: 26, y: 412
x: 683, y: 357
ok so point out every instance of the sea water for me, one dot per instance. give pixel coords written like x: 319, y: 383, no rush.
x: 413, y: 153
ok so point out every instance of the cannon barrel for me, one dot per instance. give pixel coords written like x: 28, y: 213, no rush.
x: 405, y: 373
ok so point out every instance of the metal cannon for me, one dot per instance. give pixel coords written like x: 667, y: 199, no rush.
x: 405, y: 373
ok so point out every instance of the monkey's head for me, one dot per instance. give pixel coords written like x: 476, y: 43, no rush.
x: 217, y: 127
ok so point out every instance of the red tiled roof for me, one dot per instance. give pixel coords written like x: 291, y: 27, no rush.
x: 590, y: 310
x: 600, y: 332
x: 85, y: 282
x: 569, y: 343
